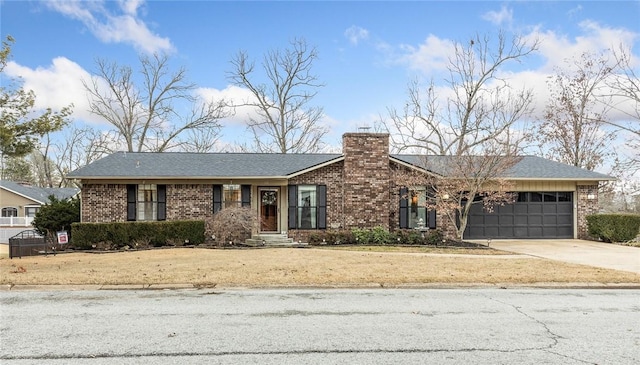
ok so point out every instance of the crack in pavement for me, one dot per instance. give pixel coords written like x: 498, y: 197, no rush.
x: 249, y: 353
x: 551, y: 335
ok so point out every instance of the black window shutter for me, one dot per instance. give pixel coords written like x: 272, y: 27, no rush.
x: 431, y: 213
x: 292, y: 211
x: 404, y: 208
x: 217, y: 198
x: 131, y: 202
x: 431, y: 218
x: 162, y: 202
x: 245, y: 193
x: 321, y: 190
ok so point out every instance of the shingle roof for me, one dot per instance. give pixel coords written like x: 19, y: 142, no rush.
x: 260, y: 165
x: 528, y: 167
x: 200, y: 165
x: 37, y: 194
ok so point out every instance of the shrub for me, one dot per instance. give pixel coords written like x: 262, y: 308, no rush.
x: 110, y: 236
x: 57, y: 215
x: 614, y: 227
x: 232, y: 225
x: 375, y: 236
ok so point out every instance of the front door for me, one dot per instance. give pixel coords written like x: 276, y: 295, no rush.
x: 269, y: 209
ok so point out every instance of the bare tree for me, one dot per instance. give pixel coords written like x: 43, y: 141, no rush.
x: 149, y: 116
x: 202, y: 141
x: 479, y: 127
x: 573, y: 129
x: 285, y: 122
x: 625, y: 86
x: 79, y: 147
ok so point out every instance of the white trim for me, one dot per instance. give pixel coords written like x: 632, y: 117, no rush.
x: 414, y: 167
x: 327, y: 163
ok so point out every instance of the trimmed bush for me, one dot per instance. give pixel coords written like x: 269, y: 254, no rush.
x: 614, y: 227
x: 117, y: 235
x: 376, y: 236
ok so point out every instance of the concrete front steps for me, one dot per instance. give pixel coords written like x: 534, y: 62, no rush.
x: 272, y: 240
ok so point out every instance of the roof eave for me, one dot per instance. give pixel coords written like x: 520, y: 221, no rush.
x: 315, y: 167
x: 22, y: 195
x: 414, y: 167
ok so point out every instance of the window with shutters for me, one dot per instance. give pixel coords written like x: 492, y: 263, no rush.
x: 227, y: 196
x: 146, y: 202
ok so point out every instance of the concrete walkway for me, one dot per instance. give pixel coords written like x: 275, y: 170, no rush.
x: 598, y: 254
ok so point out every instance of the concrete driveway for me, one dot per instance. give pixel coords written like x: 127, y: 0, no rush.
x: 598, y: 254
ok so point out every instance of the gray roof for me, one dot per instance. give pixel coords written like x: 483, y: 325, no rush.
x: 149, y: 165
x: 528, y: 167
x: 37, y: 194
x: 200, y: 165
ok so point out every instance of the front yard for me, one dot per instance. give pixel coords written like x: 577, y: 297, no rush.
x: 322, y: 267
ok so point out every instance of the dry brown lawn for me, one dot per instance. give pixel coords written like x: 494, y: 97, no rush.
x: 298, y: 267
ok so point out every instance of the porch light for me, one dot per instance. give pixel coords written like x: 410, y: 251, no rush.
x: 445, y: 196
x: 591, y: 196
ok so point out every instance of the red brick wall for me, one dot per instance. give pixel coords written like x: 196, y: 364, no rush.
x: 103, y: 203
x: 108, y: 202
x: 189, y: 201
x: 586, y: 207
x: 366, y: 180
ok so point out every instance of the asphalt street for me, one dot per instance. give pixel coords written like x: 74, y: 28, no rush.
x: 321, y: 326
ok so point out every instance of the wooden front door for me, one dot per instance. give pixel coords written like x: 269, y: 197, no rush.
x: 269, y: 209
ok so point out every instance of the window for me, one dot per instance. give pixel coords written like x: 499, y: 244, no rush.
x: 418, y: 208
x: 564, y: 196
x: 413, y: 208
x: 146, y: 202
x: 549, y: 197
x: 307, y: 206
x: 226, y: 196
x: 231, y: 196
x: 9, y: 212
x: 31, y: 211
x: 523, y: 197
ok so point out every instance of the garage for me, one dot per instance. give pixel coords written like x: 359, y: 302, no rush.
x: 532, y: 215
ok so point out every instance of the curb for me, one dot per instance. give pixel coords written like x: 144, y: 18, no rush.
x: 152, y: 287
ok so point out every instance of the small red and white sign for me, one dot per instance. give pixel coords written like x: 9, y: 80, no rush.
x: 63, y: 237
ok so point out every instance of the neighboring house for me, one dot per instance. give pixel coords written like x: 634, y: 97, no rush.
x: 19, y: 204
x: 298, y: 194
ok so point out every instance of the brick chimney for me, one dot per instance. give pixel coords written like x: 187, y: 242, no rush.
x: 366, y: 180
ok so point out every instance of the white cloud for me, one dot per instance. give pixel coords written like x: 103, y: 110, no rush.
x: 356, y: 34
x: 56, y: 86
x: 430, y: 56
x: 499, y: 18
x: 233, y: 95
x: 111, y: 27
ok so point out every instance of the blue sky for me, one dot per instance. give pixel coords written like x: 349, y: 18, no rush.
x: 368, y: 50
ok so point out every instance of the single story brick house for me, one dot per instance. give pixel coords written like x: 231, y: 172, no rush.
x: 297, y: 194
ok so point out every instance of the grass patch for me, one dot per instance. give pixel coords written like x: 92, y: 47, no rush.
x: 302, y: 267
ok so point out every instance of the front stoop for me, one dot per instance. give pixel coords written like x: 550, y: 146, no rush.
x: 273, y: 240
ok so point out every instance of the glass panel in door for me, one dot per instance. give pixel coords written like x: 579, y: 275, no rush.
x: 269, y: 210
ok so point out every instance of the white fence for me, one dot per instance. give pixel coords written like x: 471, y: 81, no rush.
x: 16, y: 221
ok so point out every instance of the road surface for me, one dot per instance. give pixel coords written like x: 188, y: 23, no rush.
x: 321, y: 326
